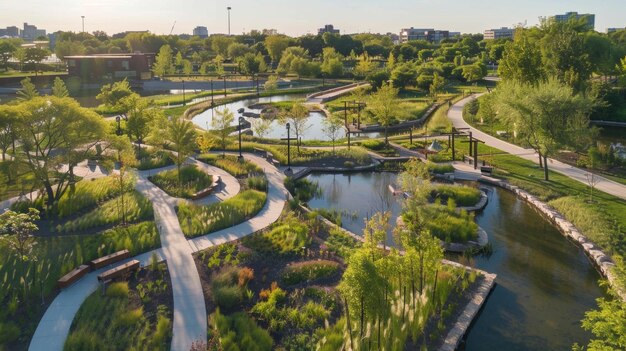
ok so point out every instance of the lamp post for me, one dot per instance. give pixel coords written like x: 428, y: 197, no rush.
x: 228, y: 9
x: 184, y: 100
x: 119, y: 128
x: 83, y: 18
x: 225, y: 94
x: 288, y: 147
x: 212, y: 101
x: 241, y: 120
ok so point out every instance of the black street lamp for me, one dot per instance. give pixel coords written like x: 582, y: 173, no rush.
x: 288, y: 147
x: 118, y: 119
x: 241, y: 121
x: 184, y: 102
x: 225, y: 94
x: 212, y: 101
x: 228, y: 9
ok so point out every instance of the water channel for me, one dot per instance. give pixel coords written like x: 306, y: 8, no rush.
x: 277, y: 129
x: 545, y: 283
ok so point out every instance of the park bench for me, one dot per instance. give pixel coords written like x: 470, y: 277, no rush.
x: 258, y: 150
x: 109, y: 259
x: 487, y: 170
x: 275, y: 162
x: 119, y: 271
x: 73, y: 276
x: 205, y: 192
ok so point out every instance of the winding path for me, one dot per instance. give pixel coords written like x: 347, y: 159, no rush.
x: 455, y: 114
x: 190, y: 319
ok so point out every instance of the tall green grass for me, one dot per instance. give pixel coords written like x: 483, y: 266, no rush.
x: 231, y: 164
x: 200, y: 220
x: 192, y: 180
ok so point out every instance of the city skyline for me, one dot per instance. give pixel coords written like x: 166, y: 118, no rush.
x: 158, y: 16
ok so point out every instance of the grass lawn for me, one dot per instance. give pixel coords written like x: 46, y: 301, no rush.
x: 192, y: 180
x: 15, y: 180
x: 14, y: 74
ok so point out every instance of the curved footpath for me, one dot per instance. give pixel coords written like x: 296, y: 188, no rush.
x: 455, y: 114
x: 190, y: 319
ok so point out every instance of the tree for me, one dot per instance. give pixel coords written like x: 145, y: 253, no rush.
x: 364, y: 67
x: 35, y: 56
x: 164, y: 63
x: 56, y: 134
x: 187, y: 67
x: 607, y: 323
x: 474, y: 72
x: 8, y: 117
x: 112, y: 95
x: 271, y: 85
x: 260, y: 126
x: 521, y: 60
x: 548, y: 116
x: 69, y: 48
x: 384, y: 106
x: 236, y: 50
x: 7, y: 50
x: 182, y: 137
x: 125, y: 158
x: 331, y: 127
x: 140, y: 117
x: 332, y: 64
x: 438, y: 83
x: 251, y: 64
x: 275, y: 45
x: 403, y: 74
x: 221, y: 123
x: 220, y: 44
x: 16, y: 230
x: 59, y: 89
x: 28, y: 91
x: 298, y: 117
x: 205, y: 142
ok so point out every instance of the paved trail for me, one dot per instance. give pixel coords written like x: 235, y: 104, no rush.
x: 455, y: 114
x: 190, y: 319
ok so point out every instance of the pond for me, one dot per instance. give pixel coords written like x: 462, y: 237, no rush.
x: 277, y: 129
x: 545, y: 283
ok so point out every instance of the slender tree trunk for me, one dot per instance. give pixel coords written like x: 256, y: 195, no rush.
x: 540, y: 160
x: 362, y: 316
x: 545, y: 167
x: 435, y: 286
x: 421, y: 273
x: 386, y: 136
x: 345, y: 301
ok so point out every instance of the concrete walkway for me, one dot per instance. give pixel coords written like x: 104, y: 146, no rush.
x: 455, y: 114
x: 190, y: 319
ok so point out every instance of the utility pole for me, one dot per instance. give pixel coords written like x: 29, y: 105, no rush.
x: 83, y: 17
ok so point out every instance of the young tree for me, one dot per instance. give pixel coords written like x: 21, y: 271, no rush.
x: 205, y: 142
x: 124, y: 158
x: 298, y: 117
x: 332, y: 127
x: 141, y: 117
x: 59, y: 89
x: 271, y: 85
x: 164, y: 63
x: 332, y: 64
x: 438, y: 83
x: 384, y: 106
x: 364, y: 67
x: 8, y: 117
x: 182, y: 137
x: 548, y: 116
x: 275, y: 45
x: 521, y: 60
x: 221, y: 123
x: 251, y: 64
x: 56, y: 132
x: 35, y: 56
x: 7, y: 50
x: 111, y: 95
x: 16, y: 230
x: 260, y: 126
x: 28, y: 91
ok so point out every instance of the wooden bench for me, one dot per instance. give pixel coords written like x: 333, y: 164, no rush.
x: 108, y: 259
x: 258, y: 150
x: 275, y: 162
x: 486, y: 170
x: 119, y: 271
x: 73, y: 276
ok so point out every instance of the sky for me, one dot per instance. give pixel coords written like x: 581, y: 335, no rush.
x: 297, y: 17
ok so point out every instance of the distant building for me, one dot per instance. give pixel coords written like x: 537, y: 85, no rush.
x: 611, y: 30
x: 395, y: 38
x: 454, y: 34
x: 590, y: 18
x: 110, y: 66
x: 504, y: 32
x: 427, y: 34
x: 201, y: 31
x: 329, y: 28
x: 269, y: 32
x: 12, y: 32
x: 52, y: 40
x: 31, y: 32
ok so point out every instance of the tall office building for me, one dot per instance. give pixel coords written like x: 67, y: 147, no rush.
x: 201, y: 32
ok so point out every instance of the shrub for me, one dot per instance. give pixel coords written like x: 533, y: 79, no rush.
x: 287, y: 237
x: 119, y: 289
x: 200, y: 220
x: 130, y: 318
x: 9, y: 332
x: 240, y: 332
x: 226, y: 293
x: 308, y: 271
x: 84, y: 341
x: 439, y: 168
x: 192, y: 180
x: 162, y: 334
x: 245, y: 275
x: 341, y: 243
x: 450, y: 226
x: 151, y: 158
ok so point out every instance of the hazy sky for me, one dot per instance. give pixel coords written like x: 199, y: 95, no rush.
x: 296, y: 17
